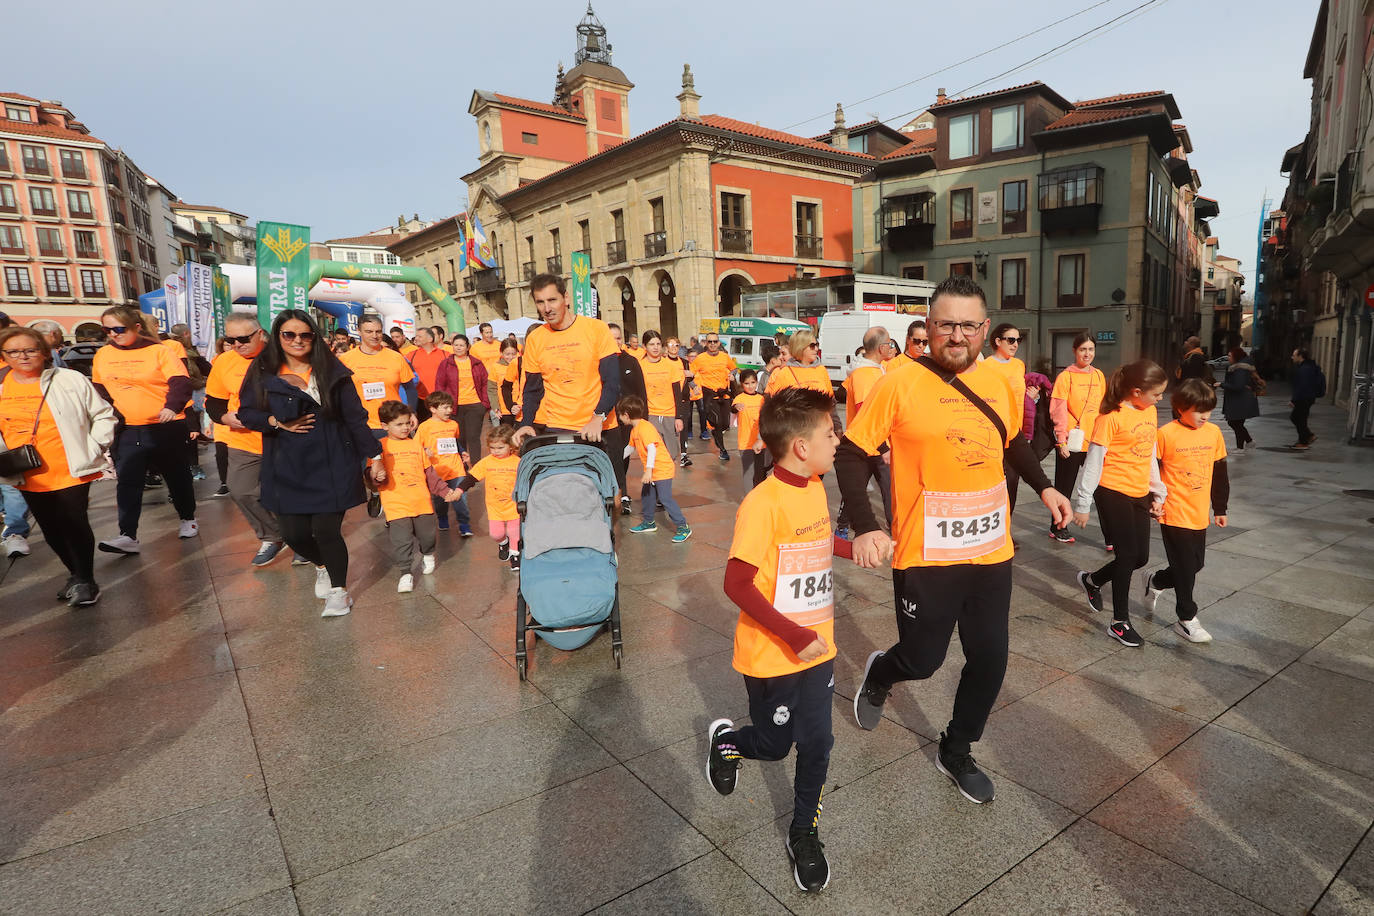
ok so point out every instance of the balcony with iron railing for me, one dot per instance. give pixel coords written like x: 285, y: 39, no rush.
x: 808, y: 246
x: 655, y: 244
x: 527, y: 270
x: 75, y: 171
x: 554, y: 265
x: 467, y: 284
x: 125, y: 257
x: 488, y: 280
x: 1070, y: 200
x: 51, y: 251
x: 738, y: 240
x: 615, y: 252
x: 37, y: 167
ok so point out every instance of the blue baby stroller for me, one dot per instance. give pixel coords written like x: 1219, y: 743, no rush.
x: 569, y: 592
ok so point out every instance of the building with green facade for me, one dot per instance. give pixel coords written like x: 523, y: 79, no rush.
x: 1073, y: 217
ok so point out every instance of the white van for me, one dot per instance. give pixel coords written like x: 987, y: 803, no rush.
x: 841, y: 333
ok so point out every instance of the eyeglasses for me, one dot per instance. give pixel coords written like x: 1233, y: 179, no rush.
x: 26, y: 353
x: 243, y: 339
x: 116, y: 330
x: 303, y: 336
x: 1011, y: 340
x: 920, y: 340
x: 713, y: 341
x: 944, y: 328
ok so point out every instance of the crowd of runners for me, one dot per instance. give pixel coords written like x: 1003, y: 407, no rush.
x: 944, y: 424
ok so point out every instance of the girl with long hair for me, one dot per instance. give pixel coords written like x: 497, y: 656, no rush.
x: 1073, y: 406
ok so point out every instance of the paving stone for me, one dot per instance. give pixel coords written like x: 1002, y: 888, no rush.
x: 1341, y: 593
x: 563, y: 851
x: 1093, y: 872
x: 1250, y: 816
x: 1352, y: 893
x: 712, y: 884
x: 1178, y: 678
x: 195, y: 862
x: 281, y: 902
x: 1349, y: 650
x: 1345, y: 557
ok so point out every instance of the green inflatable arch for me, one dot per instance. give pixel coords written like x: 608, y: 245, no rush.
x: 385, y: 273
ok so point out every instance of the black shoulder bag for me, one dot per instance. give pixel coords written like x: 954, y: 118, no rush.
x: 16, y: 462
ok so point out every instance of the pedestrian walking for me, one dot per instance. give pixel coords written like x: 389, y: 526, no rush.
x: 1074, y: 404
x: 917, y: 342
x: 657, y: 479
x: 1194, y: 362
x: 804, y: 369
x: 665, y: 392
x: 713, y: 370
x: 1006, y: 343
x: 1309, y: 383
x: 59, y: 413
x: 746, y: 407
x: 865, y: 373
x: 442, y: 440
x: 632, y: 376
x: 1241, y: 388
x: 379, y: 372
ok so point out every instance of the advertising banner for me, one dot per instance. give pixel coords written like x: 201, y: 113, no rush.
x: 223, y: 303
x: 200, y: 300
x: 174, y: 288
x: 582, y: 302
x: 283, y: 266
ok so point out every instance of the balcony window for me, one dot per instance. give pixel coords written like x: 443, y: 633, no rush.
x: 7, y: 202
x: 908, y: 221
x: 808, y: 230
x: 17, y: 281
x: 615, y: 252
x: 1071, y: 268
x: 1014, y: 283
x: 85, y: 244
x: 527, y: 270
x: 963, y: 136
x: 79, y: 205
x: 1075, y: 187
x: 57, y: 281
x: 1008, y: 129
x: 961, y: 268
x: 554, y: 265
x: 584, y: 231
x: 656, y: 214
x: 731, y: 210
x: 73, y: 164
x: 914, y: 273
x: 35, y: 160
x: 49, y: 242
x: 93, y: 283
x: 378, y: 257
x: 42, y: 202
x: 655, y: 244
x: 961, y: 213
x: 4, y: 158
x: 738, y: 240
x: 487, y: 280
x: 11, y: 240
x: 1014, y: 206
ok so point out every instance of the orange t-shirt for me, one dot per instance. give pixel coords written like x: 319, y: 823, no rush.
x: 569, y: 361
x: 405, y: 494
x: 1014, y: 371
x: 515, y: 374
x: 659, y: 378
x: 18, y: 409
x: 439, y: 439
x: 1129, y: 436
x: 747, y: 407
x: 405, y: 349
x: 499, y: 474
x: 856, y: 388
x: 378, y: 377
x: 713, y: 371
x: 784, y: 532
x: 896, y: 362
x: 224, y: 382
x: 467, y: 391
x: 426, y: 367
x: 488, y: 353
x: 1186, y: 457
x: 642, y: 435
x: 815, y: 377
x: 949, y: 493
x: 137, y: 379
x: 175, y: 346
x: 1082, y: 393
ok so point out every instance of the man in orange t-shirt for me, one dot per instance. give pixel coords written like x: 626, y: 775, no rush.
x: 425, y: 360
x: 571, y: 366
x: 246, y: 340
x: 952, y: 564
x: 713, y: 370
x: 488, y: 349
x: 379, y: 372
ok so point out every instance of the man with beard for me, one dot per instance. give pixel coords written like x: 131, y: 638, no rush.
x: 948, y: 426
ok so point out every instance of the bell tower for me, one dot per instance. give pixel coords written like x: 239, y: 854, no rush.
x: 597, y: 90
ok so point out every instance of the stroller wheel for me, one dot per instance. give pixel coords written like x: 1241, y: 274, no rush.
x: 618, y: 653
x: 520, y: 667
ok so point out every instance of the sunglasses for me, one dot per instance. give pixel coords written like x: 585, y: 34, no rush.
x: 303, y: 336
x: 1012, y: 340
x: 116, y: 330
x: 243, y: 339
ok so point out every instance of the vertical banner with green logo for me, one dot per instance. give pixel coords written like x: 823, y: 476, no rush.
x: 582, y: 301
x: 283, y: 269
x: 223, y: 304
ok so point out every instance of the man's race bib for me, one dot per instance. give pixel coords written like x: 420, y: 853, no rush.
x: 964, y: 526
x: 374, y: 391
x: 805, y: 590
x: 446, y: 445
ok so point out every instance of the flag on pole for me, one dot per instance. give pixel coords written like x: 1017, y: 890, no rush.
x: 462, y: 247
x: 482, y: 253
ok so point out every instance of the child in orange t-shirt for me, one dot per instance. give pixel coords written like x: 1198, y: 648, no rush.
x: 746, y: 406
x: 443, y: 444
x: 405, y: 481
x: 659, y: 468
x: 1192, y: 464
x: 498, y: 469
x: 1121, y: 475
x: 779, y: 573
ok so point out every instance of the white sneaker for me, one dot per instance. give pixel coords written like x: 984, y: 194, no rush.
x: 121, y: 544
x: 322, y: 583
x: 1151, y: 593
x: 338, y: 604
x: 1192, y: 631
x: 405, y: 584
x: 189, y: 528
x: 16, y: 545
x: 428, y: 560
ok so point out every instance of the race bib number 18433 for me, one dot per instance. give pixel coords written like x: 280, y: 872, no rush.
x: 964, y: 526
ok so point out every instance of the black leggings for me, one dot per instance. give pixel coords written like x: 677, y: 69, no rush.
x: 472, y: 426
x: 1128, y: 520
x: 222, y: 463
x: 1066, y: 473
x: 67, y: 529
x: 1242, y: 434
x: 163, y: 447
x: 318, y: 538
x: 615, y: 440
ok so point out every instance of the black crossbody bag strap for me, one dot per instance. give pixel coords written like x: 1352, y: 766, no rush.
x: 958, y: 385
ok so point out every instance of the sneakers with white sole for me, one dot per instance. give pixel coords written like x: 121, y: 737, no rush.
x: 16, y: 545
x: 405, y: 584
x: 122, y: 544
x: 1151, y: 593
x: 322, y: 583
x: 338, y: 603
x: 1093, y: 592
x: 189, y: 528
x: 1192, y: 631
x: 427, y: 563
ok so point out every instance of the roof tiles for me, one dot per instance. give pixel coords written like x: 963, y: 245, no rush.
x: 777, y: 136
x: 1113, y: 100
x: 922, y: 141
x: 47, y: 131
x: 1096, y: 116
x: 531, y: 105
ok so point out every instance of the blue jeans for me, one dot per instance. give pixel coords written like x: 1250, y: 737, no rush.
x: 16, y: 512
x: 460, y: 505
x: 663, y: 490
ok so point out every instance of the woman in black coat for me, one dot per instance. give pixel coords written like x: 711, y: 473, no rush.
x: 315, y: 439
x: 1241, y: 403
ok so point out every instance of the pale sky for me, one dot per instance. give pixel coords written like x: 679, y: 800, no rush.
x: 344, y: 115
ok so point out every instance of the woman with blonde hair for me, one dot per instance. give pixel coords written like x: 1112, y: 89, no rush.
x: 804, y: 369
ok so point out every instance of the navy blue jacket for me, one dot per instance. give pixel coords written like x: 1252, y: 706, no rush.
x: 317, y: 471
x: 1308, y: 382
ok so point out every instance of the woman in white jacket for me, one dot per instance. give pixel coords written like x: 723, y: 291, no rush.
x: 59, y: 412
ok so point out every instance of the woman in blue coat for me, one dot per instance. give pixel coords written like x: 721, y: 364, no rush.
x: 315, y: 439
x: 1241, y: 403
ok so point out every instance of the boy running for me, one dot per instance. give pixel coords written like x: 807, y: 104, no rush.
x: 440, y: 439
x: 658, y: 469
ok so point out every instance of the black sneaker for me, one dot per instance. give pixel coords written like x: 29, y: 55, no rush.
x: 722, y: 758
x: 1061, y: 535
x: 83, y: 594
x: 809, y: 867
x: 685, y: 462
x: 724, y: 455
x: 503, y: 549
x: 624, y: 507
x: 1124, y: 633
x: 515, y: 561
x: 1094, y: 592
x: 869, y: 700
x: 222, y: 492
x: 973, y: 783
x: 66, y: 591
